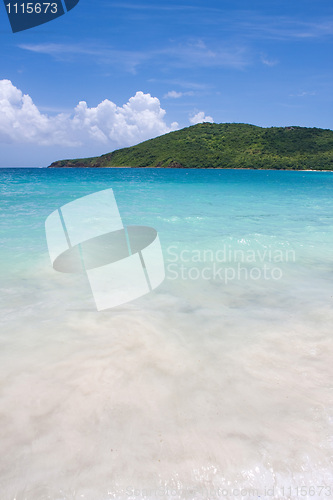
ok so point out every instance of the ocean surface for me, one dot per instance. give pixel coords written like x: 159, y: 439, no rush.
x: 218, y: 384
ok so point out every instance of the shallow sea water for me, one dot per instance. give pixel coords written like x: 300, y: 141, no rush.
x: 218, y: 384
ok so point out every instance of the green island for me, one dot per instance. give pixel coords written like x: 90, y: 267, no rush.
x: 225, y: 145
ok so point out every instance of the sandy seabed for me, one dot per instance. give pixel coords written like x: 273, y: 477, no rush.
x: 197, y: 390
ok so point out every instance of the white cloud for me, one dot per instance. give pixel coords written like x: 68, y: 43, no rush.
x: 303, y: 94
x: 268, y: 62
x: 173, y: 94
x: 99, y: 53
x: 195, y: 53
x: 284, y: 27
x: 200, y: 118
x: 21, y: 121
x: 191, y: 53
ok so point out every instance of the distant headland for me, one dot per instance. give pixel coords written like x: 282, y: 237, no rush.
x: 225, y: 145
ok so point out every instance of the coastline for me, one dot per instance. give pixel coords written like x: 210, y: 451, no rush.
x: 193, y: 168
x: 168, y: 168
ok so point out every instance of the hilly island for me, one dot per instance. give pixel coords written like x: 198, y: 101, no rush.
x: 225, y: 145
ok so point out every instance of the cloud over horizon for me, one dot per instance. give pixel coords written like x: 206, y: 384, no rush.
x: 200, y: 117
x: 21, y: 121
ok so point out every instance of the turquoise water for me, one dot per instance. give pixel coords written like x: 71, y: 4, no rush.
x: 217, y: 381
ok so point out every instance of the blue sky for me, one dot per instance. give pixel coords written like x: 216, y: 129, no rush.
x: 144, y: 68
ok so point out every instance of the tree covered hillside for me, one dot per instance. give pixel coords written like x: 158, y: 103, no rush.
x: 226, y: 145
